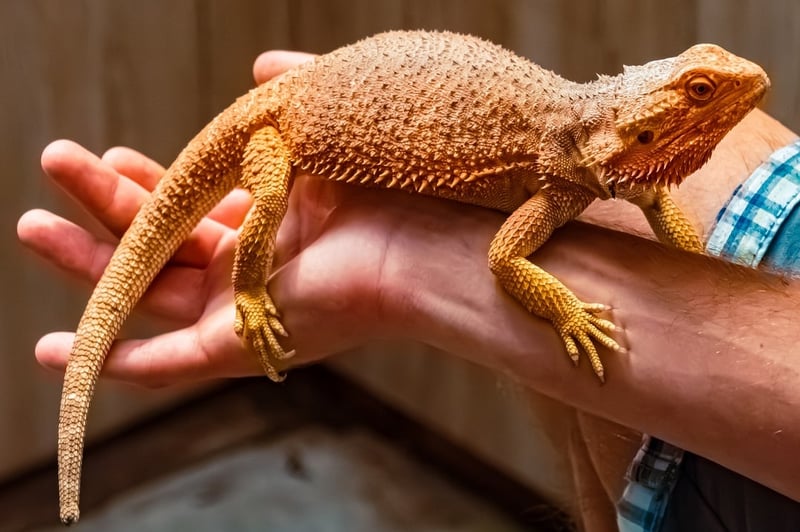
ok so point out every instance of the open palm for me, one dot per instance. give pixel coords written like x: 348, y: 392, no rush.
x: 193, y: 294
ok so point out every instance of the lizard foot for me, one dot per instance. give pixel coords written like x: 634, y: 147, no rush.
x: 580, y: 326
x: 258, y: 325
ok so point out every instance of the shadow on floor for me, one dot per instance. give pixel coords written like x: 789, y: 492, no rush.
x: 314, y: 454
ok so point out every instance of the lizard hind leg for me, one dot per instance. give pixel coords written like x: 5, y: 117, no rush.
x: 266, y: 173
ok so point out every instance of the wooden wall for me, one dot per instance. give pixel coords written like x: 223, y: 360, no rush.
x: 149, y: 73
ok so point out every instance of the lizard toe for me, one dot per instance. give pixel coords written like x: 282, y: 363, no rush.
x: 594, y: 308
x: 594, y: 358
x: 259, y: 328
x: 603, y: 324
x: 572, y: 349
x: 583, y: 331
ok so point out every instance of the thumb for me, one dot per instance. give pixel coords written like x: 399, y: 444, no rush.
x: 52, y: 350
x: 275, y: 62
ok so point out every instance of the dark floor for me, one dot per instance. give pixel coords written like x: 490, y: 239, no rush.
x: 327, y: 457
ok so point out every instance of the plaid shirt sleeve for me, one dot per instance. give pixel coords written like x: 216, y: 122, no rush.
x: 748, y: 224
x: 761, y: 221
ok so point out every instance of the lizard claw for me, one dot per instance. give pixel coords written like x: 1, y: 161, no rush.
x: 277, y: 327
x: 258, y: 325
x: 581, y: 327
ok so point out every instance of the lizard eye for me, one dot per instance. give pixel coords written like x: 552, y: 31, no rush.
x: 700, y: 88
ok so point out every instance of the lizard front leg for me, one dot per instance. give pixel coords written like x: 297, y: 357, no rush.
x: 266, y: 173
x: 541, y: 293
x: 669, y: 224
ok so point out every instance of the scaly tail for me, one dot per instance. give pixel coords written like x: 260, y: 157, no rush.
x: 183, y: 196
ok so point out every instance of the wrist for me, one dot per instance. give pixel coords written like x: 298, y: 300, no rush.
x: 436, y: 287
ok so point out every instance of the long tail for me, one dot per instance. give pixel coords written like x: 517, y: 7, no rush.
x: 197, y: 180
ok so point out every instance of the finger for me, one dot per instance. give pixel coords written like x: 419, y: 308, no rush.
x: 232, y: 210
x: 176, y: 294
x: 146, y: 172
x: 114, y: 199
x: 64, y: 244
x: 94, y: 184
x: 134, y: 165
x: 275, y: 62
x: 171, y: 358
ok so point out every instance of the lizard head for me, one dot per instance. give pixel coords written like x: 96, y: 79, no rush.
x: 670, y: 115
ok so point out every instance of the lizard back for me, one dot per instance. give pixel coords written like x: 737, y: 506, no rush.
x: 442, y: 114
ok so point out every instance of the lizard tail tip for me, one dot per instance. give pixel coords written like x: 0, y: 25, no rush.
x: 69, y: 515
x: 69, y: 520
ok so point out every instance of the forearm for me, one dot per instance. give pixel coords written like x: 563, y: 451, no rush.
x: 685, y: 379
x: 709, y: 366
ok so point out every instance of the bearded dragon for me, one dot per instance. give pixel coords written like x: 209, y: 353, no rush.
x: 439, y: 114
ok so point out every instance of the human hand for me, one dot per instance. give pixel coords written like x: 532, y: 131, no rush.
x: 345, y: 271
x: 189, y: 291
x: 193, y: 294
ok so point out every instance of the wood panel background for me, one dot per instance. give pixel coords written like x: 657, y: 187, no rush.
x: 148, y: 74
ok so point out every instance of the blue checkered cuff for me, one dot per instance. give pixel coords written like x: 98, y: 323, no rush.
x: 651, y: 477
x: 748, y: 223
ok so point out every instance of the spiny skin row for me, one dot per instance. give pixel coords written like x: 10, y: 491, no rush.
x: 440, y: 114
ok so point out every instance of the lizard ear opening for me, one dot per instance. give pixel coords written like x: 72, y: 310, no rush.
x: 645, y: 137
